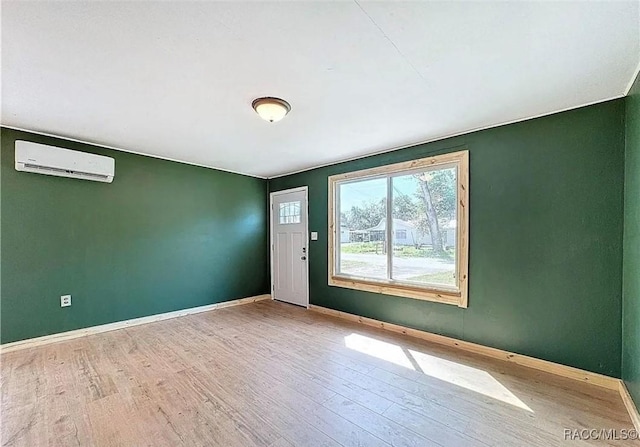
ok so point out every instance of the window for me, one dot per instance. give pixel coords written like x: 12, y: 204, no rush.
x: 408, y: 227
x: 401, y: 234
x: 289, y: 212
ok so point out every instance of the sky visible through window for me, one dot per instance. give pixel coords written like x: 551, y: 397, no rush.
x: 357, y: 193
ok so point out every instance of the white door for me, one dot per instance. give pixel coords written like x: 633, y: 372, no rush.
x: 289, y: 265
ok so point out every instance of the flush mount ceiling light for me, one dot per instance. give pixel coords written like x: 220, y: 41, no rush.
x: 271, y: 109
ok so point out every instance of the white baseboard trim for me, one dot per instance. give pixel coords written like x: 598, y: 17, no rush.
x: 62, y: 336
x: 523, y: 360
x: 630, y: 404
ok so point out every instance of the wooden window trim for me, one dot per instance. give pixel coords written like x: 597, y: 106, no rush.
x: 459, y: 296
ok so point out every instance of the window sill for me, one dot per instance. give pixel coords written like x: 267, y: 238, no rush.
x: 439, y: 296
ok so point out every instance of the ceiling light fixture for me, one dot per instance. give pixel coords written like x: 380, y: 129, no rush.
x: 271, y: 109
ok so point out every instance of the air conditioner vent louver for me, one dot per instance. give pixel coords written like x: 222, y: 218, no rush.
x: 49, y: 160
x: 55, y: 171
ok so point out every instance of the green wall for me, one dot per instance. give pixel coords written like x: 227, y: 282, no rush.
x: 546, y: 205
x: 163, y: 236
x: 631, y: 260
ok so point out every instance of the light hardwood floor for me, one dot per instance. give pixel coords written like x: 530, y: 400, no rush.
x: 272, y: 374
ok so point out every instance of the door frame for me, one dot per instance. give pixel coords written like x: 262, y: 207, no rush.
x: 306, y: 230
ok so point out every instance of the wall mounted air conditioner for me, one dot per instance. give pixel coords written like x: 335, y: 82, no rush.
x: 49, y: 160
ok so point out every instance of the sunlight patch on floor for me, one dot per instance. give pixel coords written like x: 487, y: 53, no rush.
x: 473, y: 379
x: 464, y: 376
x: 377, y: 348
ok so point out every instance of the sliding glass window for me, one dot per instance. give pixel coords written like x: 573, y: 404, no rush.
x: 402, y: 229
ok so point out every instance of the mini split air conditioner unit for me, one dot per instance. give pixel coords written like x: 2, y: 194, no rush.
x: 49, y: 160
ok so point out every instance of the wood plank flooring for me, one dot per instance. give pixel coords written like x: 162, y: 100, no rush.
x: 272, y: 374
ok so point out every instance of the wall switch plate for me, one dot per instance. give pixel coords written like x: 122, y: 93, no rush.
x: 65, y: 300
x: 314, y: 235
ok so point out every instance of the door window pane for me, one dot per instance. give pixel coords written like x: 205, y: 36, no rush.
x: 289, y: 212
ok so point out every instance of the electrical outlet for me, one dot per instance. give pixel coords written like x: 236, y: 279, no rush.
x: 65, y: 300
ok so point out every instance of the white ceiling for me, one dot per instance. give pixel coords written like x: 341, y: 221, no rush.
x: 176, y: 80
